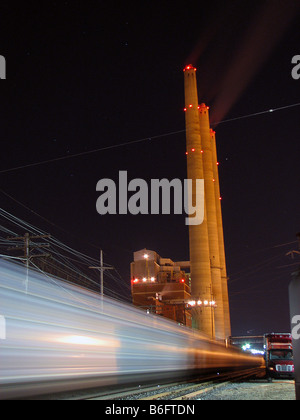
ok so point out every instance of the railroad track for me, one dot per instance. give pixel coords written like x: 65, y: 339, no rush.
x: 188, y: 392
x: 128, y: 393
x: 185, y: 390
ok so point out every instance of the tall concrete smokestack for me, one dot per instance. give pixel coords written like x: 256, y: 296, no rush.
x: 207, y: 255
x: 215, y: 165
x: 212, y: 226
x: 198, y: 234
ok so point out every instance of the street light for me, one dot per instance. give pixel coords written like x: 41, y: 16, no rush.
x: 211, y: 303
x: 199, y: 304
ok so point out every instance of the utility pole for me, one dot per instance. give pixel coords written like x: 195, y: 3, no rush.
x: 26, y: 249
x: 102, y: 269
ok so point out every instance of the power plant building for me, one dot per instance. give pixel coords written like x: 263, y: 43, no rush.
x: 161, y: 286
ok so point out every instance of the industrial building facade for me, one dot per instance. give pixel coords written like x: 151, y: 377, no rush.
x: 161, y: 286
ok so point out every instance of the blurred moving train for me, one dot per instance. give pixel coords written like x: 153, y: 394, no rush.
x: 55, y: 336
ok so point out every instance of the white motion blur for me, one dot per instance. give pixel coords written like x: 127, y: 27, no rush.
x: 58, y: 336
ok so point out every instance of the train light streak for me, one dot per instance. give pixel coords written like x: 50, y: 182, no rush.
x: 56, y: 336
x: 88, y: 341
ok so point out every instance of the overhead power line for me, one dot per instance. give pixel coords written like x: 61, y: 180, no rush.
x: 258, y: 113
x: 129, y: 143
x: 101, y: 149
x: 63, y: 258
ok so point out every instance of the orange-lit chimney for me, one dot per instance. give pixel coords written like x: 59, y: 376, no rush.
x: 198, y: 234
x: 207, y: 256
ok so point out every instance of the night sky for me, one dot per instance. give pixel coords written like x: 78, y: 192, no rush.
x: 86, y: 75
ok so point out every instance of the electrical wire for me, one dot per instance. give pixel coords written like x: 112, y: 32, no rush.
x: 129, y: 143
x: 258, y: 113
x: 64, y: 259
x: 113, y: 146
x: 255, y: 286
x: 253, y: 269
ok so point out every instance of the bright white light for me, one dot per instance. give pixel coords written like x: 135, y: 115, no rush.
x: 254, y: 351
x: 205, y: 302
x: 246, y: 347
x: 89, y: 341
x: 144, y: 279
x: 192, y: 302
x: 152, y: 279
x: 199, y: 302
x: 146, y: 256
